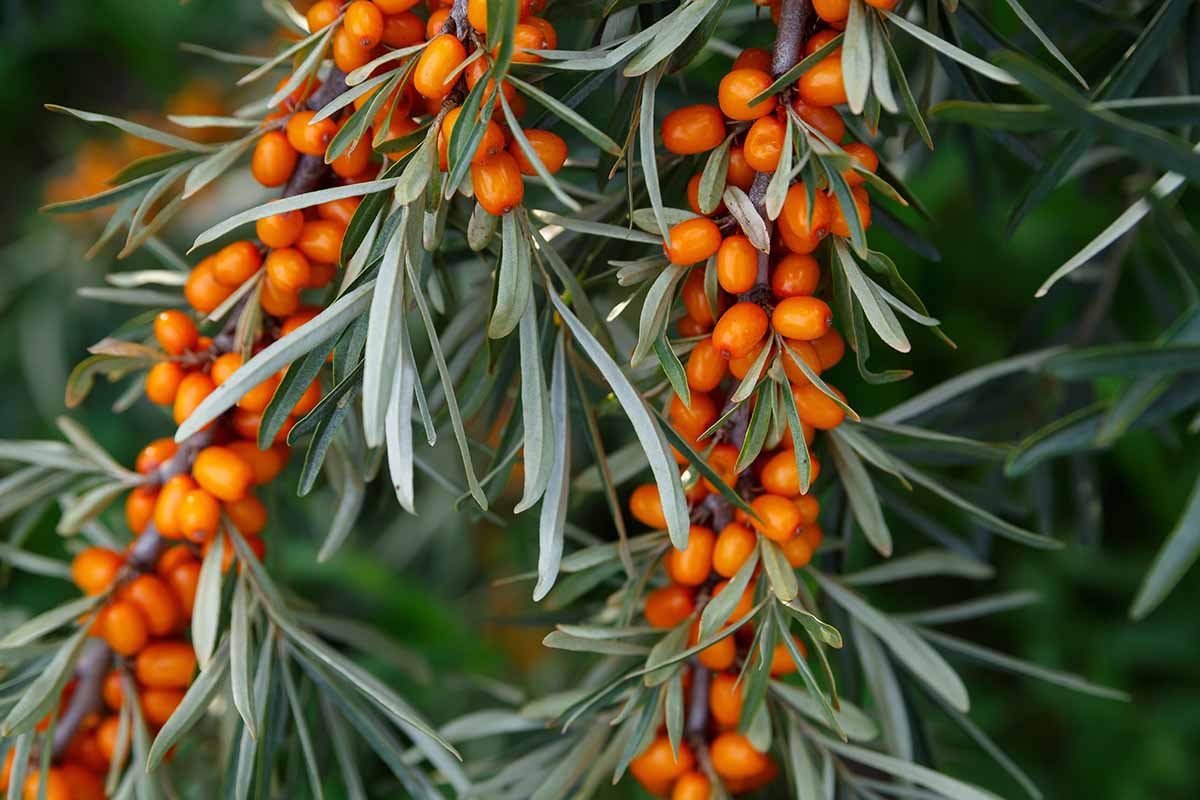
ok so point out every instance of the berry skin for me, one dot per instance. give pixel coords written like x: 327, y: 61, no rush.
x: 527, y: 37
x: 280, y: 230
x: 886, y: 5
x: 646, y: 506
x: 156, y: 602
x: 781, y: 477
x: 725, y: 699
x: 816, y: 408
x: 803, y: 318
x: 823, y: 85
x: 798, y: 551
x: 733, y: 546
x: 739, y: 329
x: 162, y: 382
x: 139, y: 508
x: 173, y: 557
x: 734, y: 757
x: 795, y: 275
x: 741, y: 86
x: 737, y: 264
x: 695, y: 300
x: 809, y: 509
x: 166, y: 665
x: 436, y: 23
x: 693, y: 240
x: 354, y: 160
x: 839, y: 225
x: 202, y: 290
x: 719, y: 655
x: 248, y: 515
x: 321, y: 241
x: 125, y: 628
x: 693, y: 194
x: 829, y: 348
x: 277, y: 301
x: 170, y: 500
x: 692, y: 565
x: 692, y: 786
x: 56, y: 787
x: 693, y: 129
x: 691, y: 421
x: 224, y: 366
x: 175, y: 332
x: 95, y: 569
x: 364, y: 21
x: 194, y: 387
x: 753, y: 58
x: 339, y: 211
x: 274, y: 159
x: 866, y: 158
x: 403, y: 30
x: 778, y: 517
x: 801, y: 235
x: 832, y: 10
x: 236, y: 263
x: 497, y: 184
x: 310, y: 139
x: 491, y: 143
x: 807, y: 355
x: 705, y: 367
x: 740, y: 173
x: 440, y: 58
x: 199, y: 516
x: 266, y: 464
x: 183, y: 580
x: 549, y: 147
x: 288, y: 269
x: 395, y: 6
x: 723, y: 460
x: 657, y: 764
x: 154, y: 455
x: 322, y: 14
x: 764, y: 144
x: 739, y: 366
x: 826, y: 120
x: 222, y: 473
x: 159, y: 704
x: 477, y: 14
x: 669, y: 606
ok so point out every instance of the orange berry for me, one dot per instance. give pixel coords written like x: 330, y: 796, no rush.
x: 175, y: 332
x: 170, y: 500
x: 723, y: 461
x: 95, y: 569
x: 222, y: 473
x: 321, y: 241
x: 339, y: 211
x: 224, y: 366
x: 753, y: 58
x: 692, y: 786
x: 111, y: 690
x: 764, y: 143
x: 173, y: 557
x: 355, y: 159
x: 866, y: 158
x: 829, y: 348
x: 826, y: 120
x: 288, y: 269
x: 440, y: 58
x: 795, y: 275
x: 688, y: 327
x: 403, y: 29
x: 693, y: 240
x: 183, y: 580
x: 778, y: 517
x: 194, y: 387
x: 692, y: 565
x: 549, y: 34
x: 804, y: 318
x: 159, y: 704
x: 798, y: 550
x: 823, y: 85
x: 695, y: 300
x: 248, y: 515
x: 801, y: 235
x: 739, y: 173
x: 739, y: 329
x: 320, y: 275
x: 737, y: 264
x: 646, y: 506
x: 162, y: 381
x: 166, y: 665
x: 108, y: 737
x: 725, y: 699
x: 806, y: 353
x: 199, y: 515
x: 139, y: 507
x: 839, y: 225
x: 56, y: 787
x: 156, y: 602
x: 693, y: 194
x: 693, y: 129
x: 658, y: 764
x: 719, y: 655
x: 125, y: 628
x: 310, y: 138
x: 816, y: 408
x: 809, y: 509
x: 669, y: 606
x: 733, y: 546
x: 364, y: 21
x: 739, y: 366
x: 436, y: 23
x: 741, y: 86
x: 395, y: 6
x: 832, y: 10
x: 266, y: 464
x: 477, y: 14
x: 733, y: 757
x: 550, y: 148
x: 202, y: 290
x: 819, y: 40
x: 527, y: 37
x: 322, y: 14
x: 691, y: 421
x: 705, y: 366
x: 886, y: 5
x: 497, y: 183
x: 491, y: 143
x: 236, y: 263
x: 782, y: 662
x: 276, y: 300
x: 274, y: 159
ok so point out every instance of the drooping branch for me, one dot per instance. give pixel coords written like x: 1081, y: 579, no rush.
x: 90, y: 671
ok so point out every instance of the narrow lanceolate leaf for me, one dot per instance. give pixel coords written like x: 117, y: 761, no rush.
x: 712, y: 179
x: 514, y: 282
x: 941, y: 785
x: 194, y: 704
x: 881, y: 83
x: 778, y: 187
x: 969, y: 61
x: 215, y: 165
x: 891, y: 706
x: 883, y: 320
x: 718, y: 609
x: 398, y: 433
x: 554, y: 504
x: 779, y: 572
x: 747, y: 216
x: 1028, y: 21
x: 277, y: 355
x: 568, y: 115
x: 924, y: 563
x: 646, y: 136
x: 206, y: 613
x: 676, y: 27
x: 860, y: 491
x: 655, y: 310
x: 1176, y: 557
x: 909, y: 648
x: 535, y: 413
x: 49, y: 621
x: 39, y: 696
x: 239, y: 655
x: 856, y: 56
x: 658, y: 452
x: 381, y: 354
x: 135, y: 130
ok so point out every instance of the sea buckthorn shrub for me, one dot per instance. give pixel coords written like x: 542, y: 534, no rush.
x: 497, y: 229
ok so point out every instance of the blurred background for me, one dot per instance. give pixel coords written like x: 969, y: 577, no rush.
x: 423, y: 580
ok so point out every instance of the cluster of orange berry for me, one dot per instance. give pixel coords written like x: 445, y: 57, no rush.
x: 366, y: 29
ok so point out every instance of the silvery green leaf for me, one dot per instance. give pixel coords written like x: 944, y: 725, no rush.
x: 860, y: 491
x: 83, y: 509
x: 712, y: 179
x: 719, y: 607
x: 43, y: 693
x: 874, y: 307
x: 239, y: 655
x: 398, y: 434
x: 535, y: 413
x: 906, y: 770
x: 48, y: 621
x: 662, y: 463
x: 598, y: 228
x: 945, y: 48
x: 747, y: 216
x: 554, y: 503
x: 672, y: 31
x: 480, y: 229
x: 561, y: 640
x: 533, y: 158
x: 646, y: 219
x: 646, y: 152
x: 780, y: 181
x: 568, y: 115
x: 655, y: 309
x: 194, y: 704
x: 881, y: 83
x: 856, y: 56
x: 302, y: 733
x: 215, y: 165
x: 419, y: 170
x: 514, y: 282
x: 922, y: 564
x: 380, y: 354
x: 779, y: 572
x: 206, y: 613
x: 890, y: 704
x: 136, y: 130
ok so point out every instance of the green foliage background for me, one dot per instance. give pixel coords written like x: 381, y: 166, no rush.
x: 415, y: 578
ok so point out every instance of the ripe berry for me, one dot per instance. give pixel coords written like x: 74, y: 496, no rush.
x: 202, y: 290
x: 199, y: 516
x: 222, y: 473
x: 173, y: 557
x: 739, y: 329
x: 805, y: 318
x: 154, y: 454
x: 807, y: 355
x: 436, y: 23
x: 162, y: 381
x: 274, y: 159
x: 194, y: 387
x: 737, y: 264
x: 527, y: 37
x: 491, y: 143
x: 183, y: 580
x: 693, y: 420
x: 497, y: 184
x: 741, y: 86
x: 826, y: 120
x: 693, y: 129
x: 839, y: 225
x: 646, y: 506
x: 745, y: 603
x: 723, y: 461
x: 693, y: 195
x: 692, y: 565
x: 403, y: 30
x: 166, y: 665
x: 266, y: 464
x: 739, y: 366
x: 111, y: 691
x: 809, y: 509
x: 692, y: 786
x: 692, y: 240
x: 823, y: 85
x: 550, y: 148
x: 764, y: 143
x: 832, y: 10
x: 56, y: 787
x: 95, y: 568
x: 248, y: 515
x: 395, y: 6
x: 816, y: 408
x: 798, y: 551
x: 886, y: 5
x: 440, y: 58
x: 175, y: 332
x: 354, y: 160
x: 705, y: 366
x: 280, y: 230
x: 669, y: 606
x: 125, y: 628
x: 829, y: 348
x: 276, y: 300
x: 364, y: 21
x: 139, y: 508
x: 866, y: 158
x: 695, y: 300
x: 795, y: 275
x: 778, y: 519
x: 156, y: 602
x: 477, y: 14
x: 753, y: 58
x: 321, y: 241
x: 725, y: 699
x: 310, y: 139
x: 719, y: 655
x: 800, y: 234
x: 739, y: 173
x: 549, y: 34
x: 658, y: 764
x: 733, y: 757
x: 288, y: 269
x: 236, y: 263
x: 340, y: 211
x: 733, y: 546
x: 159, y: 704
x: 780, y: 476
x: 170, y: 500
